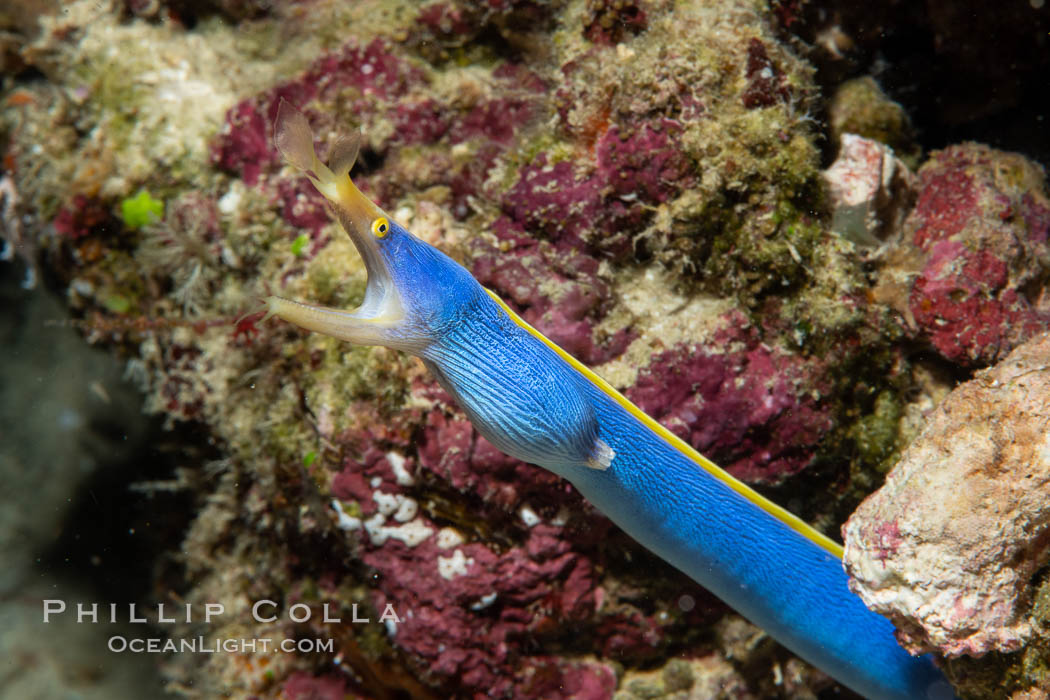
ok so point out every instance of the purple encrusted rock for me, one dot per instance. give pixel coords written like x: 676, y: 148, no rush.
x: 599, y: 201
x: 754, y: 409
x: 373, y: 73
x: 981, y: 224
x: 303, y: 686
x: 766, y: 83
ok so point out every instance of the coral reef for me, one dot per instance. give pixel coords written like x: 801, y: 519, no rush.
x: 956, y: 574
x: 976, y: 248
x: 640, y: 180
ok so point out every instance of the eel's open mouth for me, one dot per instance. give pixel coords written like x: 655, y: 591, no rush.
x: 382, y: 310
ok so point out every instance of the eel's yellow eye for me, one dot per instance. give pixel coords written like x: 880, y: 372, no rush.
x: 380, y: 227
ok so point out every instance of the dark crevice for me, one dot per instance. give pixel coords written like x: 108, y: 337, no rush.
x: 960, y: 72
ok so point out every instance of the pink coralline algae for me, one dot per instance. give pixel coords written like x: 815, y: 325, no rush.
x: 755, y: 410
x: 981, y: 224
x: 83, y: 217
x: 490, y: 126
x: 449, y: 22
x: 600, y: 202
x: 303, y: 686
x: 302, y: 206
x: 451, y: 449
x: 559, y: 293
x: 245, y: 145
x: 385, y: 87
x: 497, y: 119
x: 453, y: 23
x: 766, y: 84
x: 468, y: 621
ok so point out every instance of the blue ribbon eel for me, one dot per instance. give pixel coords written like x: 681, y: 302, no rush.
x: 537, y: 403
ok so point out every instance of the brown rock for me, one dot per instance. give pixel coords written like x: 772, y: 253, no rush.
x: 948, y: 546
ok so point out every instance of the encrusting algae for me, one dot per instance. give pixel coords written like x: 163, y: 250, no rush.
x: 645, y: 190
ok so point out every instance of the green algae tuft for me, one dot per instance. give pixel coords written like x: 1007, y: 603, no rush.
x: 141, y: 210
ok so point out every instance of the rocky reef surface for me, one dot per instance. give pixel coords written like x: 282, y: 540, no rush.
x: 648, y: 183
x: 959, y: 575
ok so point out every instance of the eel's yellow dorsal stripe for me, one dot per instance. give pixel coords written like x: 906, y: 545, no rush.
x: 789, y: 519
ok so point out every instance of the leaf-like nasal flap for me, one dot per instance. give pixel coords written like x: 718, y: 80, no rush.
x: 293, y: 138
x: 344, y: 154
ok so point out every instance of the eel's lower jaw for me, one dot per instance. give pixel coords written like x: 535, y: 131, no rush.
x: 369, y: 324
x: 381, y: 319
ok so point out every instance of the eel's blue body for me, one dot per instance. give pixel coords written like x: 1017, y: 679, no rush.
x: 536, y: 403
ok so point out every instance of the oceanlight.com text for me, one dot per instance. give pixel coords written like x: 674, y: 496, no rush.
x: 201, y: 645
